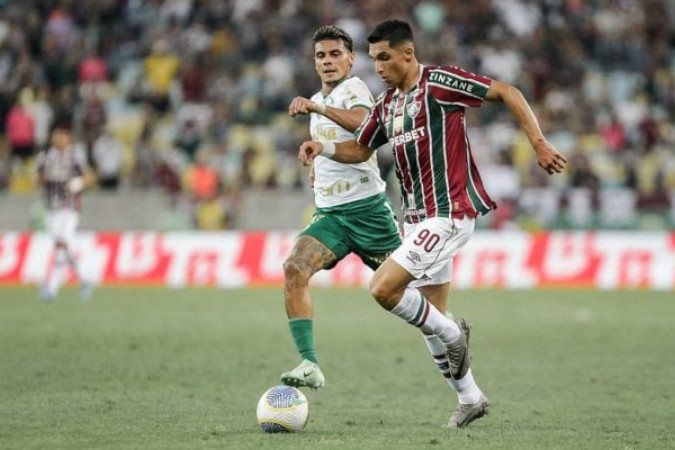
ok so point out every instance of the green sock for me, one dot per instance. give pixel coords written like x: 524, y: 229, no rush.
x: 302, y: 331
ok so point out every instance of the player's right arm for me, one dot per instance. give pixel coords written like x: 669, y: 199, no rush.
x: 349, y: 152
x: 349, y: 119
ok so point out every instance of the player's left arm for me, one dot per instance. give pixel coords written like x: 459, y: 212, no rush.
x: 548, y: 157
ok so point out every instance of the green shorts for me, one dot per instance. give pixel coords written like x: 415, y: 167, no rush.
x: 366, y: 227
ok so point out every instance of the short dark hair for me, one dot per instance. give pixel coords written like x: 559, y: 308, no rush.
x: 331, y: 32
x: 395, y: 31
x: 64, y: 125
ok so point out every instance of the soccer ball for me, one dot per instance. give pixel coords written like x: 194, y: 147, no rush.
x: 282, y: 409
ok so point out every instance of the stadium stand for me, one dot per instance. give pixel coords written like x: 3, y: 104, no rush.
x: 173, y: 82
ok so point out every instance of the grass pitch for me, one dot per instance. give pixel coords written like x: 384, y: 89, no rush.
x: 183, y: 369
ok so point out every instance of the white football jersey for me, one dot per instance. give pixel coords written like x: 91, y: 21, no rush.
x: 337, y: 183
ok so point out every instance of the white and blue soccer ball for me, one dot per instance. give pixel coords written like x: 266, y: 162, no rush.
x: 282, y: 409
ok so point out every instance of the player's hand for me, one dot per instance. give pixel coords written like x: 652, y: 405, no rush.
x: 549, y: 158
x: 301, y: 105
x: 308, y: 151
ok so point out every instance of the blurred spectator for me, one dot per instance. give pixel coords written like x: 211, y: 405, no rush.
x: 160, y: 68
x: 614, y: 134
x: 219, y: 73
x: 107, y: 161
x: 92, y: 69
x: 583, y: 175
x: 193, y: 82
x: 656, y: 199
x: 61, y: 26
x: 144, y: 159
x: 228, y: 164
x: 40, y: 110
x: 60, y: 65
x: 210, y: 215
x: 189, y: 139
x: 20, y: 128
x: 167, y: 174
x: 202, y: 182
x: 93, y: 118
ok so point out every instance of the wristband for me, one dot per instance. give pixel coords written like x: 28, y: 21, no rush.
x: 328, y: 148
x: 321, y: 108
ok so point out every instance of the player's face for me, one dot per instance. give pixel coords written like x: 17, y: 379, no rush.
x: 60, y: 139
x: 332, y: 60
x: 391, y: 63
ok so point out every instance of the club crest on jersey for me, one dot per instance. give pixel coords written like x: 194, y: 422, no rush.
x: 414, y: 108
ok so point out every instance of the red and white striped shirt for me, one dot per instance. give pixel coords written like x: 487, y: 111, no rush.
x: 426, y: 127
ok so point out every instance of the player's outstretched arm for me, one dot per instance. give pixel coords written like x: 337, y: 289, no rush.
x: 349, y: 152
x: 349, y: 119
x: 548, y: 157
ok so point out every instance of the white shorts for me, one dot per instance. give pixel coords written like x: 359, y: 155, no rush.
x: 62, y: 223
x: 429, y: 248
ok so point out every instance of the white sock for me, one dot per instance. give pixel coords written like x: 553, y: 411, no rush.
x: 55, y: 279
x: 438, y: 354
x: 417, y: 311
x: 468, y: 391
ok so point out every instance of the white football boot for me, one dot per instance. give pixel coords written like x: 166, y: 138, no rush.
x: 307, y: 374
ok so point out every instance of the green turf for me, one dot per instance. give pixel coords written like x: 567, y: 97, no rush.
x: 183, y: 369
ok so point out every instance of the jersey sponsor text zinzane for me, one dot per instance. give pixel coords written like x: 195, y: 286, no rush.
x: 451, y: 82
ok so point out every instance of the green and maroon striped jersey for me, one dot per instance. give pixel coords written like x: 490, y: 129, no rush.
x: 426, y: 127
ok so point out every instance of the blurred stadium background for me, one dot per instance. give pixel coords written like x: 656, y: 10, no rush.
x: 180, y: 106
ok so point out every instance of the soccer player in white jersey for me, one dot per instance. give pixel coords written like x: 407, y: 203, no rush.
x: 422, y: 115
x: 352, y: 214
x: 63, y: 174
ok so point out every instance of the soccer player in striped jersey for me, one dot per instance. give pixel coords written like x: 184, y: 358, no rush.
x: 352, y: 214
x: 422, y: 114
x: 63, y: 174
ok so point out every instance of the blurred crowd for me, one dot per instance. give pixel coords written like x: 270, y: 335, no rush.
x: 190, y: 97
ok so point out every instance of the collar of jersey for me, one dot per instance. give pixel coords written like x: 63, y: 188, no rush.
x: 336, y: 86
x: 415, y: 86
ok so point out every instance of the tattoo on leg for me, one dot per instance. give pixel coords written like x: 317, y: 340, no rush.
x: 308, y: 257
x: 311, y: 254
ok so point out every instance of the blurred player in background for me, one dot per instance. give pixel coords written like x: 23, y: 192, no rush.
x: 63, y: 173
x: 423, y: 115
x: 352, y: 214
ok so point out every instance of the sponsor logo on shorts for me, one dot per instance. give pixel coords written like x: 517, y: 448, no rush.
x: 414, y: 257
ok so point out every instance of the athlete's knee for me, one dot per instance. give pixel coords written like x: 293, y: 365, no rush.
x: 296, y: 270
x: 384, y: 293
